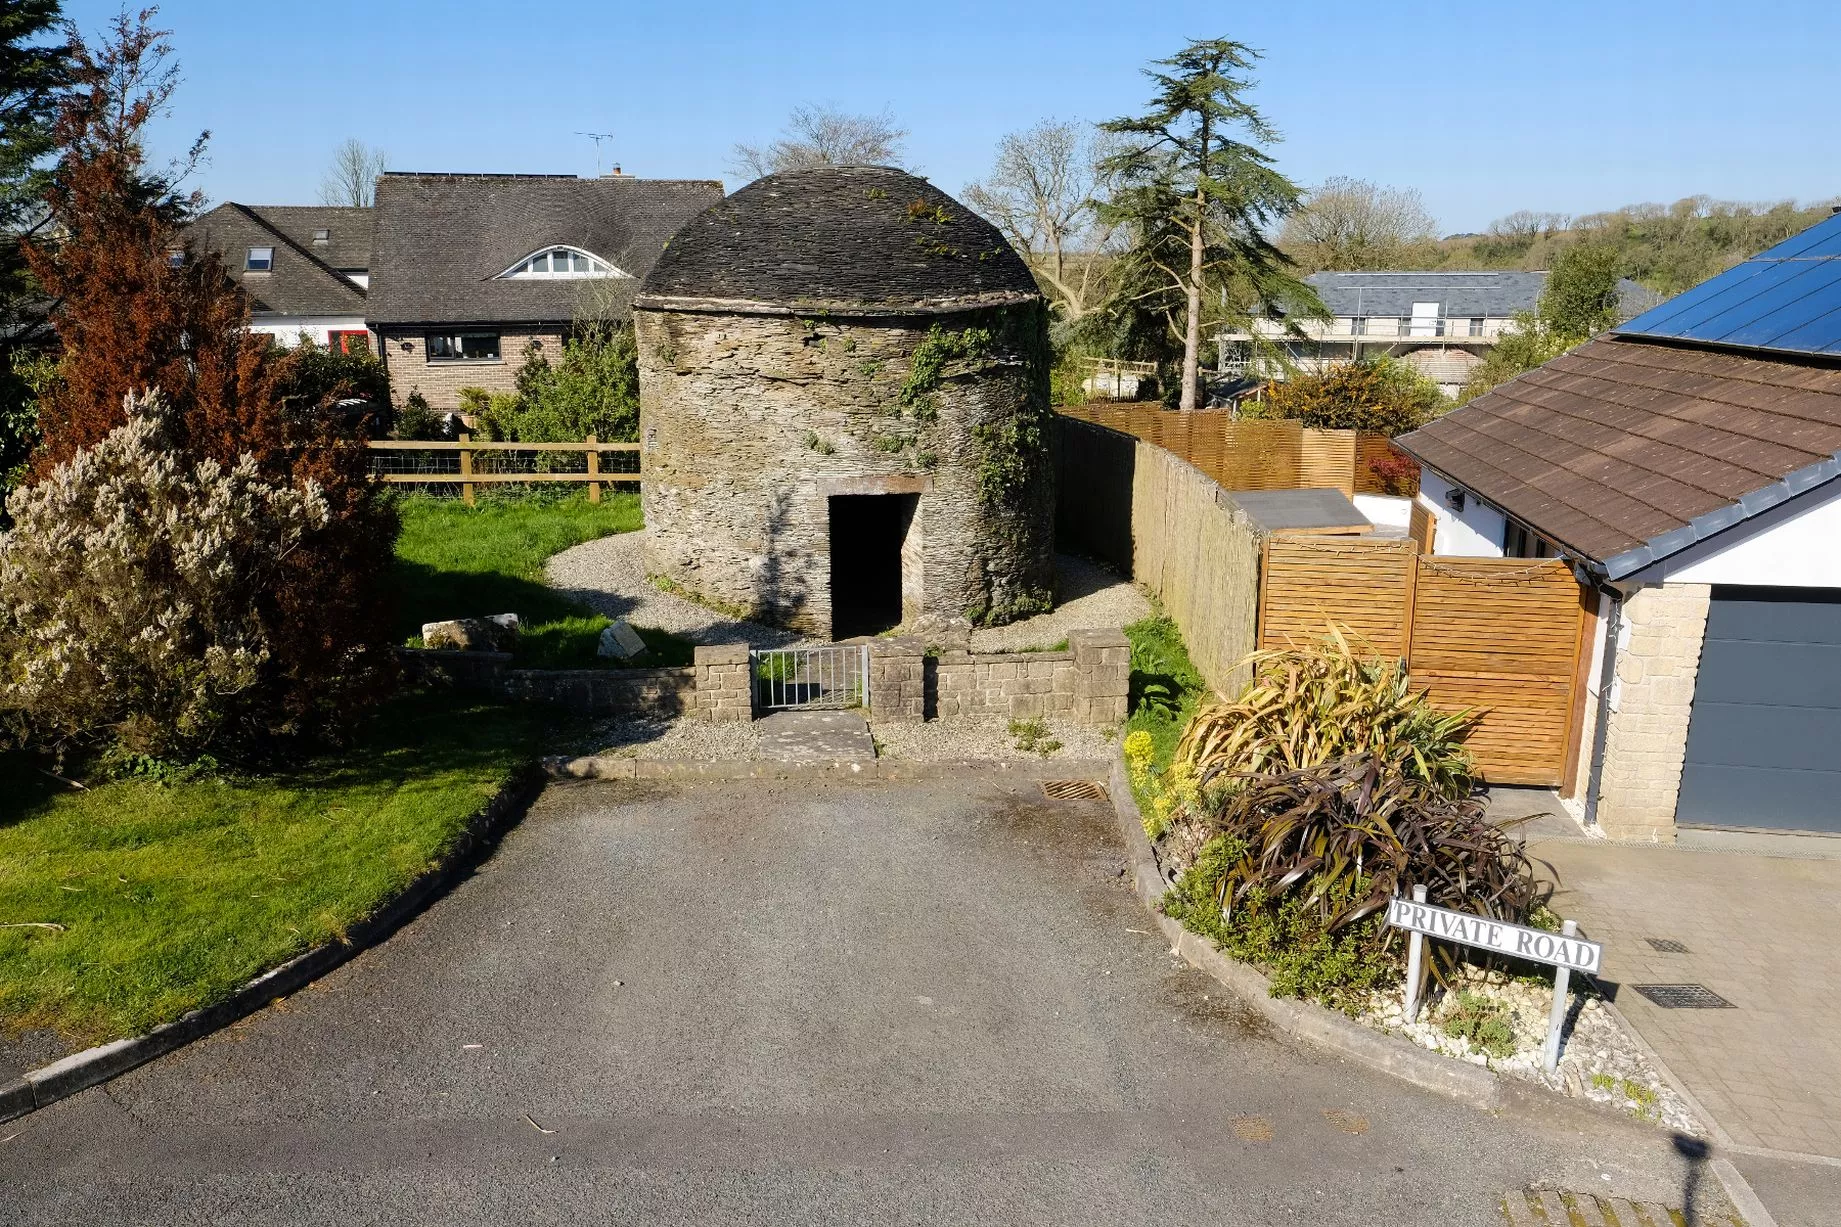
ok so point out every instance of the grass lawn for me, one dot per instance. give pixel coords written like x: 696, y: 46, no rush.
x: 172, y: 895
x: 455, y: 561
x: 1165, y: 686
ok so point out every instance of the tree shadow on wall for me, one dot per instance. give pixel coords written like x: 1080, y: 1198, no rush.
x: 780, y: 592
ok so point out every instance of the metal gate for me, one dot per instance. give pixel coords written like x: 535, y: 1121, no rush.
x: 809, y: 679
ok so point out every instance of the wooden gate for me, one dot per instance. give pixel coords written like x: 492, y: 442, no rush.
x: 1502, y: 636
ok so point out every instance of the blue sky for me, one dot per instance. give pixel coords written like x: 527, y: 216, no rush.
x: 1483, y: 106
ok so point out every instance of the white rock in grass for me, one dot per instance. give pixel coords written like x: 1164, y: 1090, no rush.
x: 621, y: 641
x: 498, y: 633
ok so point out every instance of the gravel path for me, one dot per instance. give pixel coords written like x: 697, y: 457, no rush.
x: 1089, y: 597
x: 609, y: 575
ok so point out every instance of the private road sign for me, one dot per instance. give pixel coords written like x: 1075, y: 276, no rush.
x: 1560, y: 950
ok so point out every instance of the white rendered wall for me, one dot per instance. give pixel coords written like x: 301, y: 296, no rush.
x: 1793, y: 545
x: 286, y: 329
x: 1386, y: 511
x: 1475, y: 532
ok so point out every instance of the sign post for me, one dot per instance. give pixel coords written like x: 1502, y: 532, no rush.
x: 1415, y: 964
x: 1566, y: 951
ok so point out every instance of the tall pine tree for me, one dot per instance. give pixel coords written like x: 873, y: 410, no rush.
x: 1199, y: 196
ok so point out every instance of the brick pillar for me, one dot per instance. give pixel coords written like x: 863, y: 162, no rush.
x: 897, y: 679
x: 1646, y: 738
x: 1102, y: 676
x: 724, y: 689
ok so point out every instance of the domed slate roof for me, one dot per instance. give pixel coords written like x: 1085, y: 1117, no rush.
x: 857, y: 240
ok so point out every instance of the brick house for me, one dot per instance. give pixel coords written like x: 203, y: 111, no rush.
x: 1686, y: 464
x: 470, y: 272
x: 304, y: 267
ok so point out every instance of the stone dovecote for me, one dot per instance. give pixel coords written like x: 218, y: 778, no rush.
x: 844, y: 409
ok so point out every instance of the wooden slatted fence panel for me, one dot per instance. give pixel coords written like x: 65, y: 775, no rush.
x: 1364, y: 587
x: 1250, y: 454
x: 1501, y: 637
x: 1326, y: 460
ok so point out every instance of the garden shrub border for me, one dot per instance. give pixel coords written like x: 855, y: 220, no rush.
x: 93, y: 1066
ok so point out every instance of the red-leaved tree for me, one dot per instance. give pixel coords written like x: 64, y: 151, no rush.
x: 136, y: 308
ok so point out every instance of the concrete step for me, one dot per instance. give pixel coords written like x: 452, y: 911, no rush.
x: 816, y: 737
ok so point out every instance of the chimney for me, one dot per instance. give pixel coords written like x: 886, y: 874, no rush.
x: 615, y: 172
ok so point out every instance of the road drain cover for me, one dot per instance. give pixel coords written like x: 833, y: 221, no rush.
x: 1684, y: 996
x: 1073, y: 790
x: 1667, y: 945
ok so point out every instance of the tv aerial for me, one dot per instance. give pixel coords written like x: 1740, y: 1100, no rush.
x: 597, y: 138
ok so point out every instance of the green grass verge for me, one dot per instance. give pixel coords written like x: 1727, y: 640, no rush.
x: 455, y: 561
x: 1165, y: 687
x: 171, y: 895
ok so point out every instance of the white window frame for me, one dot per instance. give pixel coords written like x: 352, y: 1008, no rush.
x: 268, y: 261
x: 517, y: 272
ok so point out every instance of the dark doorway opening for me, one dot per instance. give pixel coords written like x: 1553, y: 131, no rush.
x: 867, y: 531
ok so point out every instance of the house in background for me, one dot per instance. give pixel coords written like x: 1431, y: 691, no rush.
x: 1439, y: 323
x: 471, y: 272
x: 1687, y: 465
x: 304, y: 267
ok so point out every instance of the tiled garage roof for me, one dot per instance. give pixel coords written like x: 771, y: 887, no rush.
x: 1625, y: 451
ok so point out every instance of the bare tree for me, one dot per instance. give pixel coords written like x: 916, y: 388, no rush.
x: 1040, y: 193
x: 352, y: 177
x: 1526, y: 225
x: 1354, y: 224
x: 823, y: 135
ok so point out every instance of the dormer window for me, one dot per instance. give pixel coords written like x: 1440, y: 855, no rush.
x: 561, y: 262
x: 259, y: 260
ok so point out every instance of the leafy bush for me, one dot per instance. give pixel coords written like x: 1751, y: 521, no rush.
x: 1310, y: 706
x: 316, y: 378
x: 1379, y: 394
x: 1290, y: 942
x: 591, y: 389
x: 149, y: 597
x: 1345, y: 837
x: 1164, y: 689
x: 415, y: 420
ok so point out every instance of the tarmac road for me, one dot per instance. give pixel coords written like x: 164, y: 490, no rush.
x: 786, y: 1002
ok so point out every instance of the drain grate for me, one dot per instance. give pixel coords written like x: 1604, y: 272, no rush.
x: 1684, y: 996
x: 1667, y: 945
x: 1073, y: 790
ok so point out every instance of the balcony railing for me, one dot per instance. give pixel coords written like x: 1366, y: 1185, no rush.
x: 1455, y: 328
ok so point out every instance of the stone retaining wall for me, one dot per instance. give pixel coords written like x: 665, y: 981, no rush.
x: 597, y: 692
x: 1087, y: 684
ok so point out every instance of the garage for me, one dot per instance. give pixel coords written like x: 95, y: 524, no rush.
x: 1764, y: 733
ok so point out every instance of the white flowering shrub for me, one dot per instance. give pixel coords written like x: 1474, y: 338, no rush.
x: 131, y: 596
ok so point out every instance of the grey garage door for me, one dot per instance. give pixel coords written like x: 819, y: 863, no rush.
x: 1764, y: 739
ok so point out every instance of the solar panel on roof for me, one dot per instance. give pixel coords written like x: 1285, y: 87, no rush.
x: 1785, y: 299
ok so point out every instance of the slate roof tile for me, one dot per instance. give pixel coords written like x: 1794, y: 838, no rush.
x: 841, y: 238
x: 303, y: 281
x: 442, y: 241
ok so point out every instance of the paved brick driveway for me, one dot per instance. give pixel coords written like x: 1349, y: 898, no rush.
x: 1763, y: 932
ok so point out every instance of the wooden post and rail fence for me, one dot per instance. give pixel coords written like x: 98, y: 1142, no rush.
x: 469, y: 475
